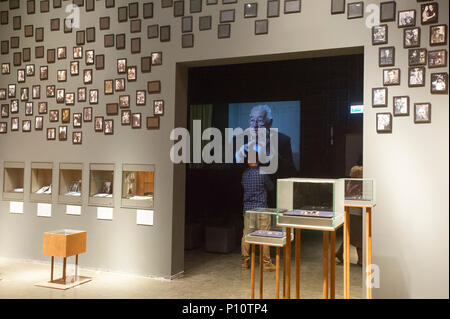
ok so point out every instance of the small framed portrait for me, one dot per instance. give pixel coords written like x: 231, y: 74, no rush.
x: 65, y: 116
x: 355, y: 10
x: 153, y: 122
x: 131, y: 73
x: 74, y: 68
x: 3, y: 127
x: 430, y: 13
x: 100, y: 62
x: 29, y: 108
x: 62, y: 133
x: 156, y: 58
x: 379, y: 97
x: 62, y: 75
x: 388, y: 11
x: 51, y: 134
x: 2, y: 94
x: 87, y: 114
x: 60, y: 95
x: 54, y: 116
x: 14, y: 124
x: 437, y: 59
x: 6, y: 68
x: 391, y: 77
x: 384, y: 123
x: 93, y: 96
x: 77, y: 138
x: 124, y: 101
x: 26, y: 126
x: 61, y: 53
x: 43, y: 73
x: 39, y: 123
x: 158, y: 107
x: 438, y: 35
x: 125, y: 117
x: 401, y: 105
x: 21, y: 75
x: 112, y: 109
x: 24, y: 94
x: 78, y: 52
x: 109, y: 127
x: 82, y: 94
x: 42, y: 108
x: 386, y: 56
x: 87, y: 76
x: 70, y: 98
x: 5, y: 110
x: 77, y: 120
x: 50, y: 90
x: 90, y: 57
x: 417, y: 57
x: 154, y: 87
x: 98, y: 124
x: 11, y: 90
x: 36, y: 92
x: 406, y: 18
x: 141, y: 96
x: 15, y: 106
x: 422, y: 113
x: 30, y: 70
x: 416, y: 76
x: 250, y: 10
x: 439, y: 83
x: 119, y: 85
x: 121, y: 66
x: 109, y: 87
x: 136, y: 120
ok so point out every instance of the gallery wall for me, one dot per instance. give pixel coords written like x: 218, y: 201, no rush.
x: 410, y: 165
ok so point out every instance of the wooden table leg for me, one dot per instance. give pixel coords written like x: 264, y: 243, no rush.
x: 369, y: 251
x: 277, y: 275
x: 333, y: 265
x: 51, y: 268
x: 325, y: 265
x: 64, y: 269
x: 76, y: 267
x: 252, y: 247
x: 261, y: 266
x: 347, y: 253
x: 284, y: 271
x: 297, y: 263
x: 288, y: 263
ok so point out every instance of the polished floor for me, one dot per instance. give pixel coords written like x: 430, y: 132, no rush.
x: 207, y: 275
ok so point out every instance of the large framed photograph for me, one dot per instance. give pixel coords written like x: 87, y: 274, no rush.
x: 109, y: 127
x: 384, y: 123
x: 406, y: 18
x: 439, y: 83
x: 386, y: 57
x: 401, y: 105
x: 438, y: 35
x: 136, y: 120
x: 391, y: 77
x: 437, y: 59
x: 422, y: 113
x: 430, y: 13
x: 417, y: 57
x: 416, y: 76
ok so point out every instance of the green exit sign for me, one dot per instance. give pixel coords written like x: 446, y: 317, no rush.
x: 356, y: 109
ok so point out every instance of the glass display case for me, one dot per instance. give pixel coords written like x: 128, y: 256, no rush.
x: 41, y: 182
x: 359, y: 192
x: 70, y: 183
x: 101, y: 185
x: 260, y: 227
x: 13, y: 180
x: 138, y: 184
x: 310, y: 202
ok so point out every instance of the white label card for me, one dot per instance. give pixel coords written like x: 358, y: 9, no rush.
x: 44, y: 210
x: 104, y: 213
x: 73, y: 210
x: 16, y: 207
x: 144, y: 217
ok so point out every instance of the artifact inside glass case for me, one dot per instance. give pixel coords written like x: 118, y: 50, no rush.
x: 101, y: 184
x: 41, y: 182
x: 359, y: 192
x: 138, y: 186
x: 260, y: 227
x: 13, y: 180
x: 70, y: 186
x: 310, y: 202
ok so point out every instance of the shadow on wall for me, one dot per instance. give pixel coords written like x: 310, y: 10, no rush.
x: 401, y: 289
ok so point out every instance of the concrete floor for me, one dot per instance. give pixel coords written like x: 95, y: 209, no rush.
x: 207, y: 275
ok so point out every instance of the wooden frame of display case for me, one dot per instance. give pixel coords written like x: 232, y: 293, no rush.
x: 140, y: 184
x: 13, y: 172
x: 101, y: 201
x: 42, y: 175
x: 65, y: 178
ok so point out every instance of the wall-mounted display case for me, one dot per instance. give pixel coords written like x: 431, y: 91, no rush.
x: 360, y: 192
x: 70, y: 183
x: 310, y: 202
x: 41, y: 182
x: 260, y: 226
x: 101, y: 185
x: 138, y: 184
x: 13, y: 180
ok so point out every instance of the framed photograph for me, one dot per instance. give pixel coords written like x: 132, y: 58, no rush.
x: 178, y: 8
x: 125, y: 117
x: 406, y: 18
x: 39, y: 36
x: 417, y: 57
x: 11, y: 90
x: 153, y: 31
x: 136, y: 45
x: 98, y: 124
x: 416, y: 76
x: 120, y: 41
x: 17, y: 58
x: 186, y: 24
x: 30, y: 69
x: 187, y: 40
x: 28, y: 31
x: 43, y: 73
x: 74, y: 68
x: 121, y: 66
x: 42, y: 108
x: 227, y: 16
x: 50, y: 91
x: 24, y: 94
x: 15, y: 106
x: 2, y: 94
x: 100, y: 62
x: 78, y: 52
x: 148, y: 10
x: 204, y: 23
x: 68, y: 25
x: 5, y: 110
x: 51, y: 55
x: 77, y: 120
x: 379, y: 97
x: 26, y: 126
x: 21, y: 75
x: 89, y: 57
x: 90, y: 34
x: 437, y: 59
x: 388, y: 11
x: 112, y: 109
x: 122, y: 14
x: 36, y: 92
x: 131, y: 73
x: 141, y: 96
x: 54, y: 116
x: 54, y: 24
x: 39, y: 52
x: 158, y: 107
x: 391, y: 77
x: 70, y: 98
x: 39, y: 123
x: 146, y: 64
x: 110, y: 3
x: 156, y: 58
x: 93, y: 96
x: 136, y: 120
x: 384, y: 123
x: 14, y: 124
x: 87, y: 76
x: 153, y: 122
x: 430, y: 13
x: 61, y: 53
x: 164, y: 33
x: 355, y: 10
x: 60, y: 95
x: 6, y: 68
x: 135, y: 26
x: 109, y: 87
x: 124, y: 101
x: 80, y: 37
x: 386, y: 57
x: 109, y: 127
x: 81, y: 94
x: 119, y: 85
x: 422, y: 113
x: 401, y: 105
x: 261, y: 26
x: 3, y: 127
x: 65, y: 116
x: 62, y: 75
x: 439, y: 83
x: 87, y: 114
x: 250, y: 10
x: 77, y: 138
x: 438, y: 35
x: 109, y: 40
x: 411, y: 38
x: 104, y: 23
x: 51, y: 134
x: 29, y: 108
x: 26, y: 54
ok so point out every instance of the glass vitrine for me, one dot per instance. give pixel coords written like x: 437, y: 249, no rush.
x: 101, y: 185
x: 41, y: 182
x: 310, y: 202
x: 359, y: 192
x: 70, y: 183
x: 138, y: 184
x: 13, y: 180
x: 260, y: 227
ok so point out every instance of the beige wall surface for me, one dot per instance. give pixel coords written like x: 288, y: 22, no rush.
x: 410, y: 166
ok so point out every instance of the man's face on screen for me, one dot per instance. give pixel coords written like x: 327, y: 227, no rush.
x: 258, y: 119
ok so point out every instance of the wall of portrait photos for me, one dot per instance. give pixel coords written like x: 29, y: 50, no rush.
x: 112, y: 91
